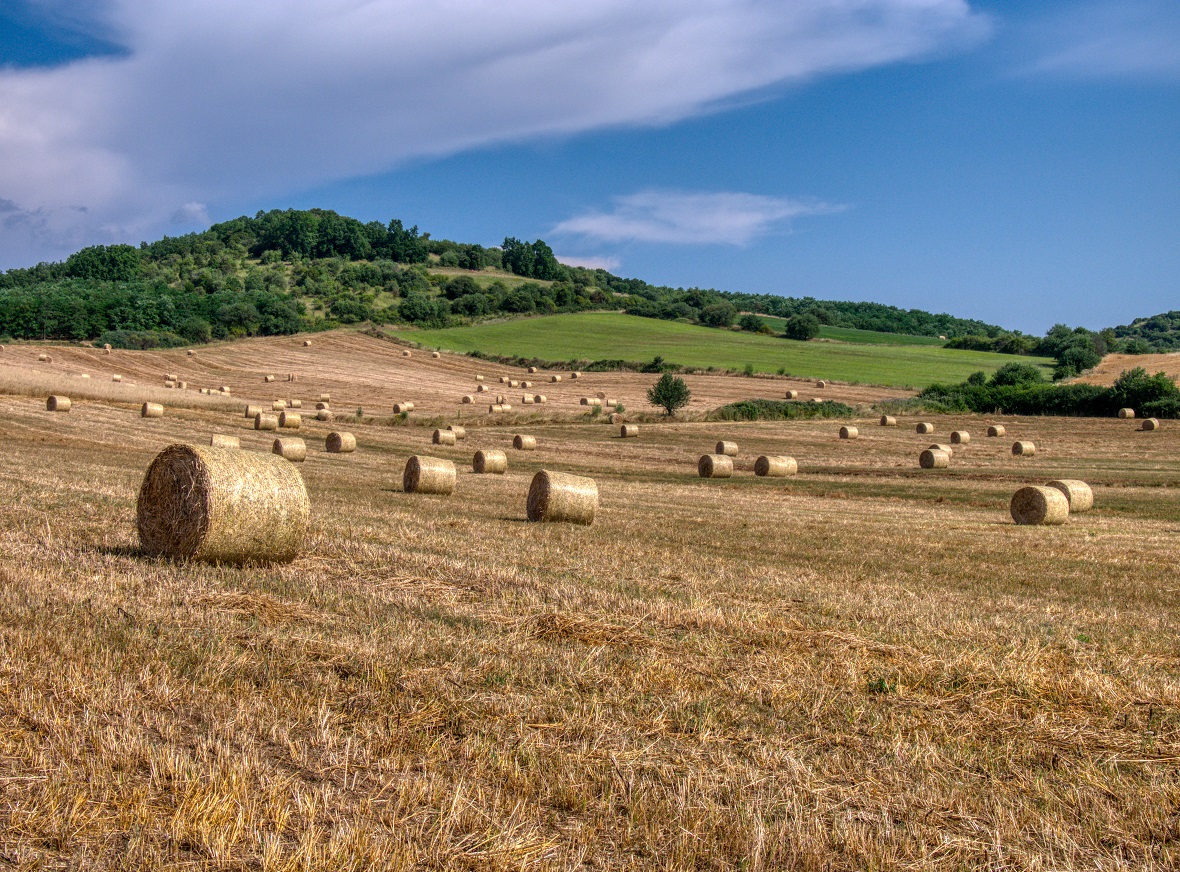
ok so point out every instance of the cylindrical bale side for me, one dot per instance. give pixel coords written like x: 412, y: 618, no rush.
x: 340, y: 442
x: 526, y: 400
x: 960, y: 437
x: 481, y: 389
x: 116, y: 378
x: 526, y: 384
x: 924, y: 428
x: 278, y: 405
x: 532, y: 370
x: 1077, y: 493
x: 791, y: 395
x: 182, y: 385
x: 325, y: 398
x: 290, y: 420
x: 629, y: 431
x: 489, y: 462
x: 933, y: 458
x: 1023, y: 449
x: 849, y: 432
x: 729, y: 449
x: 442, y: 437
x: 888, y: 421
x: 322, y: 404
x: 575, y: 375
x: 479, y: 378
x: 524, y: 443
x: 996, y: 430
x: 554, y: 378
x: 290, y: 447
x: 262, y: 421
x: 610, y: 402
x: 406, y: 353
x: 295, y: 404
x: 221, y: 504
x: 151, y: 410
x: 775, y: 466
x: 505, y: 407
x: 57, y: 403
x: 1150, y: 424
x: 714, y: 466
x: 402, y: 408
x: 501, y: 399
x: 324, y: 415
x: 1126, y: 413
x: 540, y: 398
x: 460, y: 432
x: 561, y: 497
x: 1039, y: 505
x: 946, y: 449
x: 306, y: 343
x: 494, y: 408
x: 267, y: 379
x: 503, y: 379
x: 219, y: 440
x: 513, y: 383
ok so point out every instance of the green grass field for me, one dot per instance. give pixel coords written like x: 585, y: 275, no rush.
x: 858, y: 337
x: 598, y: 335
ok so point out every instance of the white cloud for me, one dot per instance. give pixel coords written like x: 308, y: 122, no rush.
x: 1138, y: 39
x: 691, y: 218
x: 610, y: 264
x: 214, y: 98
x: 192, y: 214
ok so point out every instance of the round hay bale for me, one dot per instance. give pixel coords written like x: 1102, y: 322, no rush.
x: 402, y: 408
x: 322, y: 404
x: 714, y: 466
x: 151, y: 410
x: 460, y: 432
x: 489, y: 462
x: 816, y: 400
x: 609, y: 403
x: 1039, y: 505
x: 849, y: 432
x: 325, y: 398
x: 821, y: 384
x: 429, y: 475
x: 933, y: 458
x: 191, y: 353
x: 540, y: 398
x: 295, y: 404
x: 307, y: 343
x: 406, y: 353
x: 169, y: 384
x: 554, y: 378
x: 224, y: 389
x: 479, y: 378
x: 960, y: 437
x: 1077, y: 494
x: 513, y: 383
x: 57, y: 403
x: 615, y: 418
x: 1126, y: 413
x: 729, y: 449
x: 996, y: 430
x: 290, y: 420
x: 526, y: 400
x: 172, y: 377
x: 339, y: 442
x: 775, y: 466
x: 561, y: 497
x: 481, y: 389
x: 106, y: 348
x: 217, y: 440
x: 87, y: 375
x: 505, y: 407
x: 442, y: 437
x: 435, y: 355
x: 888, y: 421
x: 526, y: 384
x: 503, y: 379
x: 791, y: 395
x: 182, y: 385
x: 575, y: 375
x: 222, y: 505
x: 252, y: 410
x: 291, y: 447
x: 467, y: 400
x: 501, y: 399
x: 924, y: 428
x: 1150, y: 424
x: 601, y: 395
x: 591, y: 401
x: 532, y: 370
x: 494, y: 408
x: 267, y: 379
x: 324, y: 415
x: 116, y: 378
x: 1023, y: 449
x: 946, y: 449
x: 628, y: 431
x: 266, y: 422
x: 524, y: 443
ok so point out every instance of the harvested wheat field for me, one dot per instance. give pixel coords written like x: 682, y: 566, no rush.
x: 866, y: 665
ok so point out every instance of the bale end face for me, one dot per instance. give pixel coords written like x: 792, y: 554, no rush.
x: 960, y: 437
x: 442, y: 437
x: 996, y: 430
x: 558, y: 497
x: 715, y: 466
x: 1039, y: 505
x: 489, y: 463
x: 1023, y: 449
x: 849, y: 433
x: 340, y: 443
x: 58, y: 403
x: 775, y: 466
x: 1150, y: 424
x: 1077, y: 493
x: 933, y: 458
x: 728, y: 449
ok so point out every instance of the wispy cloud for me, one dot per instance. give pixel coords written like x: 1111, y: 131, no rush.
x: 691, y: 218
x: 217, y: 98
x: 610, y: 264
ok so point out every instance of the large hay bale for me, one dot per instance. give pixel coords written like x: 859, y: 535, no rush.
x: 628, y: 431
x: 934, y: 458
x: 57, y: 403
x: 224, y: 389
x: 467, y: 400
x: 561, y: 497
x: 306, y: 343
x: 45, y: 358
x: 191, y: 353
x: 479, y: 378
x: 532, y: 370
x: 775, y: 466
x: 442, y: 437
x: 116, y: 378
x: 151, y: 410
x: 402, y: 408
x: 324, y: 415
x: 590, y: 401
x: 325, y: 398
x: 290, y: 420
x: 505, y: 407
x: 1126, y: 413
x: 714, y: 466
x: 615, y: 418
x: 791, y: 395
x: 489, y: 462
x: 1077, y: 494
x: 172, y: 377
x: 278, y: 405
x: 526, y: 400
x: 339, y: 442
x: 729, y: 449
x: 601, y: 395
x: 266, y: 422
x: 888, y: 421
x: 1023, y: 449
x: 540, y: 398
x: 84, y: 375
x: 219, y: 440
x: 524, y: 443
x: 295, y: 404
x: 290, y: 447
x: 526, y: 384
x: 960, y: 437
x: 513, y: 383
x: 169, y: 384
x: 610, y: 403
x: 996, y: 430
x: 1039, y: 505
x: 554, y: 378
x: 939, y: 446
x: 406, y: 353
x: 482, y: 389
x: 106, y: 348
x: 504, y: 379
x: 267, y: 379
x: 460, y: 432
x: 575, y: 375
x: 322, y: 404
x: 182, y: 385
x: 494, y: 408
x: 849, y: 432
x: 429, y: 475
x: 222, y: 505
x: 501, y: 399
x: 924, y: 428
x: 1150, y: 424
x: 435, y: 355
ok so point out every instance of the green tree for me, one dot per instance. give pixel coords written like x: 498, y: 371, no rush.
x: 801, y: 327
x: 670, y: 393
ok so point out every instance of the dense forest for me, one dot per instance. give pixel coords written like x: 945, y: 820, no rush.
x: 287, y: 271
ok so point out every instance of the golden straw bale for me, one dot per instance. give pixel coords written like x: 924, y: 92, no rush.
x: 291, y: 447
x: 590, y: 401
x: 714, y: 466
x: 540, y: 398
x: 436, y: 355
x: 460, y: 432
x: 1077, y: 493
x: 939, y: 446
x: 996, y: 430
x: 151, y: 410
x: 467, y: 400
x: 116, y: 378
x: 224, y: 389
x: 775, y: 466
x: 526, y: 400
x: 924, y: 427
x: 575, y: 375
x: 1126, y: 413
x: 322, y: 404
x: 526, y: 384
x: 442, y: 437
x: 106, y: 348
x: 1023, y: 449
x: 960, y: 437
x: 252, y: 410
x: 505, y: 407
x: 290, y: 420
x: 183, y: 385
x: 610, y: 403
x: 84, y: 375
x: 267, y: 379
x: 45, y: 358
x: 934, y: 458
x: 306, y: 343
x: 1150, y: 424
x: 628, y: 431
x: 729, y: 449
x: 791, y: 395
x: 601, y: 395
x: 191, y: 353
x: 218, y: 440
x: 324, y: 415
x: 429, y: 475
x: 278, y: 405
x: 402, y: 408
x: 561, y: 497
x: 58, y: 403
x: 501, y: 399
x: 888, y: 421
x: 172, y: 377
x: 554, y: 378
x: 821, y: 384
x: 266, y: 422
x: 495, y: 407
x: 513, y: 383
x: 504, y: 379
x: 532, y: 369
x: 406, y: 353
x: 616, y: 418
x: 479, y: 378
x: 325, y: 398
x: 295, y: 404
x: 485, y: 462
x: 169, y: 384
x: 1039, y: 505
x: 524, y: 443
x: 849, y: 432
x: 482, y: 389
x: 222, y: 505
x: 339, y: 442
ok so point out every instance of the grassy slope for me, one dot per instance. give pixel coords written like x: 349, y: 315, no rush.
x: 596, y: 335
x: 859, y: 337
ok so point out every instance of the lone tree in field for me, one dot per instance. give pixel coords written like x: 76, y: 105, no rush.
x: 670, y: 392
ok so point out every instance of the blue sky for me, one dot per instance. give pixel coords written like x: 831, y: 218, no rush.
x: 1017, y: 163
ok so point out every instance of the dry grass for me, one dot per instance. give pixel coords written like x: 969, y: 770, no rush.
x: 860, y: 667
